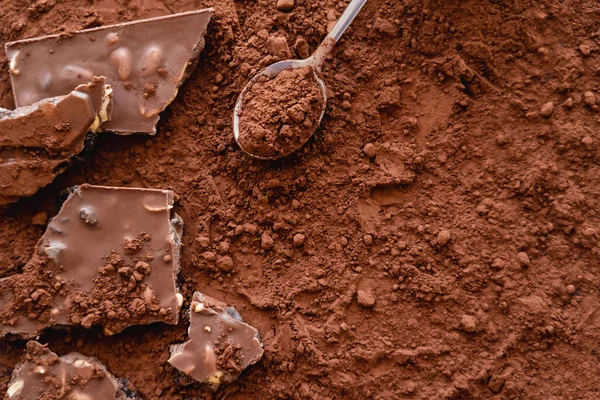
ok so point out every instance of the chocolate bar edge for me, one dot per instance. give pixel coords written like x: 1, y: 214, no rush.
x: 58, y: 35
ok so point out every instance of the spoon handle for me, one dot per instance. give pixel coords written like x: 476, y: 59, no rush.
x: 318, y: 58
x: 346, y: 19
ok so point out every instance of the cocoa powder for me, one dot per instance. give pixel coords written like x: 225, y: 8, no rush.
x: 448, y: 94
x: 280, y: 113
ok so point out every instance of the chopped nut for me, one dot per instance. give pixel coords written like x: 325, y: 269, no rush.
x: 13, y: 64
x: 198, y: 307
x: 179, y: 298
x: 151, y: 61
x: 122, y: 59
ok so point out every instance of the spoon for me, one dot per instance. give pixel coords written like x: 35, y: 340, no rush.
x: 315, y: 61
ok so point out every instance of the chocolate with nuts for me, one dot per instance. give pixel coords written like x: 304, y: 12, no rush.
x: 110, y: 258
x: 37, y: 142
x: 42, y: 374
x: 220, y: 344
x: 145, y: 61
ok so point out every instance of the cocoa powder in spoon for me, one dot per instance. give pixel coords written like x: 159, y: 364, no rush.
x: 280, y: 113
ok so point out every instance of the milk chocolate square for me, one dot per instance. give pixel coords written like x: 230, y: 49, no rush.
x: 38, y: 142
x: 42, y: 374
x: 110, y: 258
x: 145, y: 62
x: 220, y: 346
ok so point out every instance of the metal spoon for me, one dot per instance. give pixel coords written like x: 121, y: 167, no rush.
x: 315, y: 61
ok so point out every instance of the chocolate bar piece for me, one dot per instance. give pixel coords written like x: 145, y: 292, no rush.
x: 42, y: 374
x: 220, y: 344
x: 37, y: 142
x: 144, y: 61
x: 110, y: 258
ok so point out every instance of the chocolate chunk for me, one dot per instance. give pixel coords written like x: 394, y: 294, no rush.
x: 42, y: 374
x: 38, y: 142
x: 110, y: 258
x: 220, y: 344
x: 144, y: 61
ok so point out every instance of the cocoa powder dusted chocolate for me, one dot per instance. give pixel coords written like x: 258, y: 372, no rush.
x: 280, y: 113
x: 144, y: 61
x: 110, y: 258
x: 43, y: 375
x: 38, y: 141
x: 220, y: 346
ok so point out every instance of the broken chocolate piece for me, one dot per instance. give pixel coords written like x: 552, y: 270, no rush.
x: 144, y: 61
x: 220, y: 344
x: 42, y: 374
x: 37, y: 142
x: 110, y: 258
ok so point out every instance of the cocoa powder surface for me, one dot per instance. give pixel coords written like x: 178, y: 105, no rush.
x: 441, y: 185
x: 280, y: 113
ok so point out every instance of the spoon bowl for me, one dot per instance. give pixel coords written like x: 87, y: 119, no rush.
x: 270, y: 72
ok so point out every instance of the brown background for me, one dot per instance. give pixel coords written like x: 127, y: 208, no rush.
x: 449, y: 93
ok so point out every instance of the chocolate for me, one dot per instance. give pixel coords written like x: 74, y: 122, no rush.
x: 37, y: 142
x: 220, y: 344
x: 42, y: 374
x: 145, y: 62
x: 110, y: 258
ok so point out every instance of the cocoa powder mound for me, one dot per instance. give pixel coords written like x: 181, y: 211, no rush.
x: 432, y: 125
x: 280, y: 113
